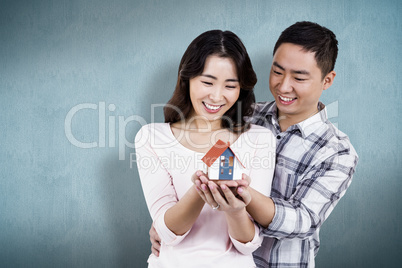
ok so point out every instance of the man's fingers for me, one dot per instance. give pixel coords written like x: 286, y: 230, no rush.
x: 154, y: 235
x: 155, y: 241
x: 155, y: 251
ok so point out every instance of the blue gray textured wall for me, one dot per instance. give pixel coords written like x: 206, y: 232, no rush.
x: 77, y: 74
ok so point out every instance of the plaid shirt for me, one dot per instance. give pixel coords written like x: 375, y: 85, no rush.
x: 314, y: 167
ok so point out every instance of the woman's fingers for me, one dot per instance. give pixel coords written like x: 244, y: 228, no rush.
x: 208, y: 195
x: 204, y: 179
x: 197, y: 175
x: 216, y: 194
x: 198, y: 184
x: 243, y: 183
x: 201, y: 194
x: 229, y: 196
x: 246, y: 178
x: 244, y: 194
x: 228, y: 183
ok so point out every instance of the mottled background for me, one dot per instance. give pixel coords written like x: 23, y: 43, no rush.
x: 77, y: 74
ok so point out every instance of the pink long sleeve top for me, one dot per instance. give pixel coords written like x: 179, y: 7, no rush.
x: 165, y: 168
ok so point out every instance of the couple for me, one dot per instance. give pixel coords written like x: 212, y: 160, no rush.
x: 271, y: 216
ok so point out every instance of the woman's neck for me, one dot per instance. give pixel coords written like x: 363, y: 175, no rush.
x: 201, y: 124
x: 201, y: 137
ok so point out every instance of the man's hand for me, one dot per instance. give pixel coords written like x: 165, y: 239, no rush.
x: 155, y: 241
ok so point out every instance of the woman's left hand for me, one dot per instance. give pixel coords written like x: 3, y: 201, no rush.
x: 223, y: 197
x: 220, y: 195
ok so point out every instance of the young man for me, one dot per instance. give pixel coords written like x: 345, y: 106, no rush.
x: 315, y: 161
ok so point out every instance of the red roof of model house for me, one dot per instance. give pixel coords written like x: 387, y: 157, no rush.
x: 216, y: 151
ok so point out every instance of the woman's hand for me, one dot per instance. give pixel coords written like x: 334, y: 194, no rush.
x: 240, y: 226
x: 228, y: 195
x: 231, y: 197
x: 222, y: 196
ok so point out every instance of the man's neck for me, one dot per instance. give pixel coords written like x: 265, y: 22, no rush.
x: 286, y: 121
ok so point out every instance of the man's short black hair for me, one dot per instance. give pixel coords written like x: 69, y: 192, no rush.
x: 313, y: 38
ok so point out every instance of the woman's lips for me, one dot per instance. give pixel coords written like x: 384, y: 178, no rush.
x: 212, y: 108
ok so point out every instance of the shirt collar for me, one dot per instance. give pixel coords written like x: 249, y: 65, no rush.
x: 272, y: 111
x: 265, y: 108
x: 306, y: 127
x: 311, y: 124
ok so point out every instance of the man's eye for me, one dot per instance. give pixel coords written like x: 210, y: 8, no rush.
x: 276, y: 72
x: 300, y: 79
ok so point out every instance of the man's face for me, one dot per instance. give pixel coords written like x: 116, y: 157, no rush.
x: 296, y: 82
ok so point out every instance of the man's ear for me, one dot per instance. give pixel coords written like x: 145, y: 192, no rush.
x: 329, y: 79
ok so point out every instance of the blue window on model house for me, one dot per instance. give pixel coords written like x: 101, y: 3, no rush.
x: 226, y: 165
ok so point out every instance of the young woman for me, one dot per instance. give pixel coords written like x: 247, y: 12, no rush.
x: 214, y: 92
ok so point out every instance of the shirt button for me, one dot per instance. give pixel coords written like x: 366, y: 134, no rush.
x: 278, y: 137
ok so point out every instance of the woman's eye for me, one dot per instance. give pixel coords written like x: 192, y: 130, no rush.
x: 207, y: 83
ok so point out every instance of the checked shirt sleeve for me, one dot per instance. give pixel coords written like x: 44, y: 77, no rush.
x: 314, y: 197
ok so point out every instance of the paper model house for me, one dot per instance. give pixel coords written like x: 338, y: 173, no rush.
x: 223, y: 163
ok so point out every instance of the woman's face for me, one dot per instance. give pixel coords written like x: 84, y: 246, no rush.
x: 215, y: 91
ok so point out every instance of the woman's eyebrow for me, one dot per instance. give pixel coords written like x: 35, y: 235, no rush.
x: 209, y: 76
x: 215, y: 78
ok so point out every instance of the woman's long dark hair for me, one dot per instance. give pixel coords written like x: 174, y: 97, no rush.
x: 222, y: 44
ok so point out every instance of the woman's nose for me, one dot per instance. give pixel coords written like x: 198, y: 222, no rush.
x: 216, y: 95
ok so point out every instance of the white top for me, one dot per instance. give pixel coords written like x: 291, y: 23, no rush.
x: 165, y: 167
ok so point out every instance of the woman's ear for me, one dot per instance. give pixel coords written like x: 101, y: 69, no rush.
x: 329, y: 79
